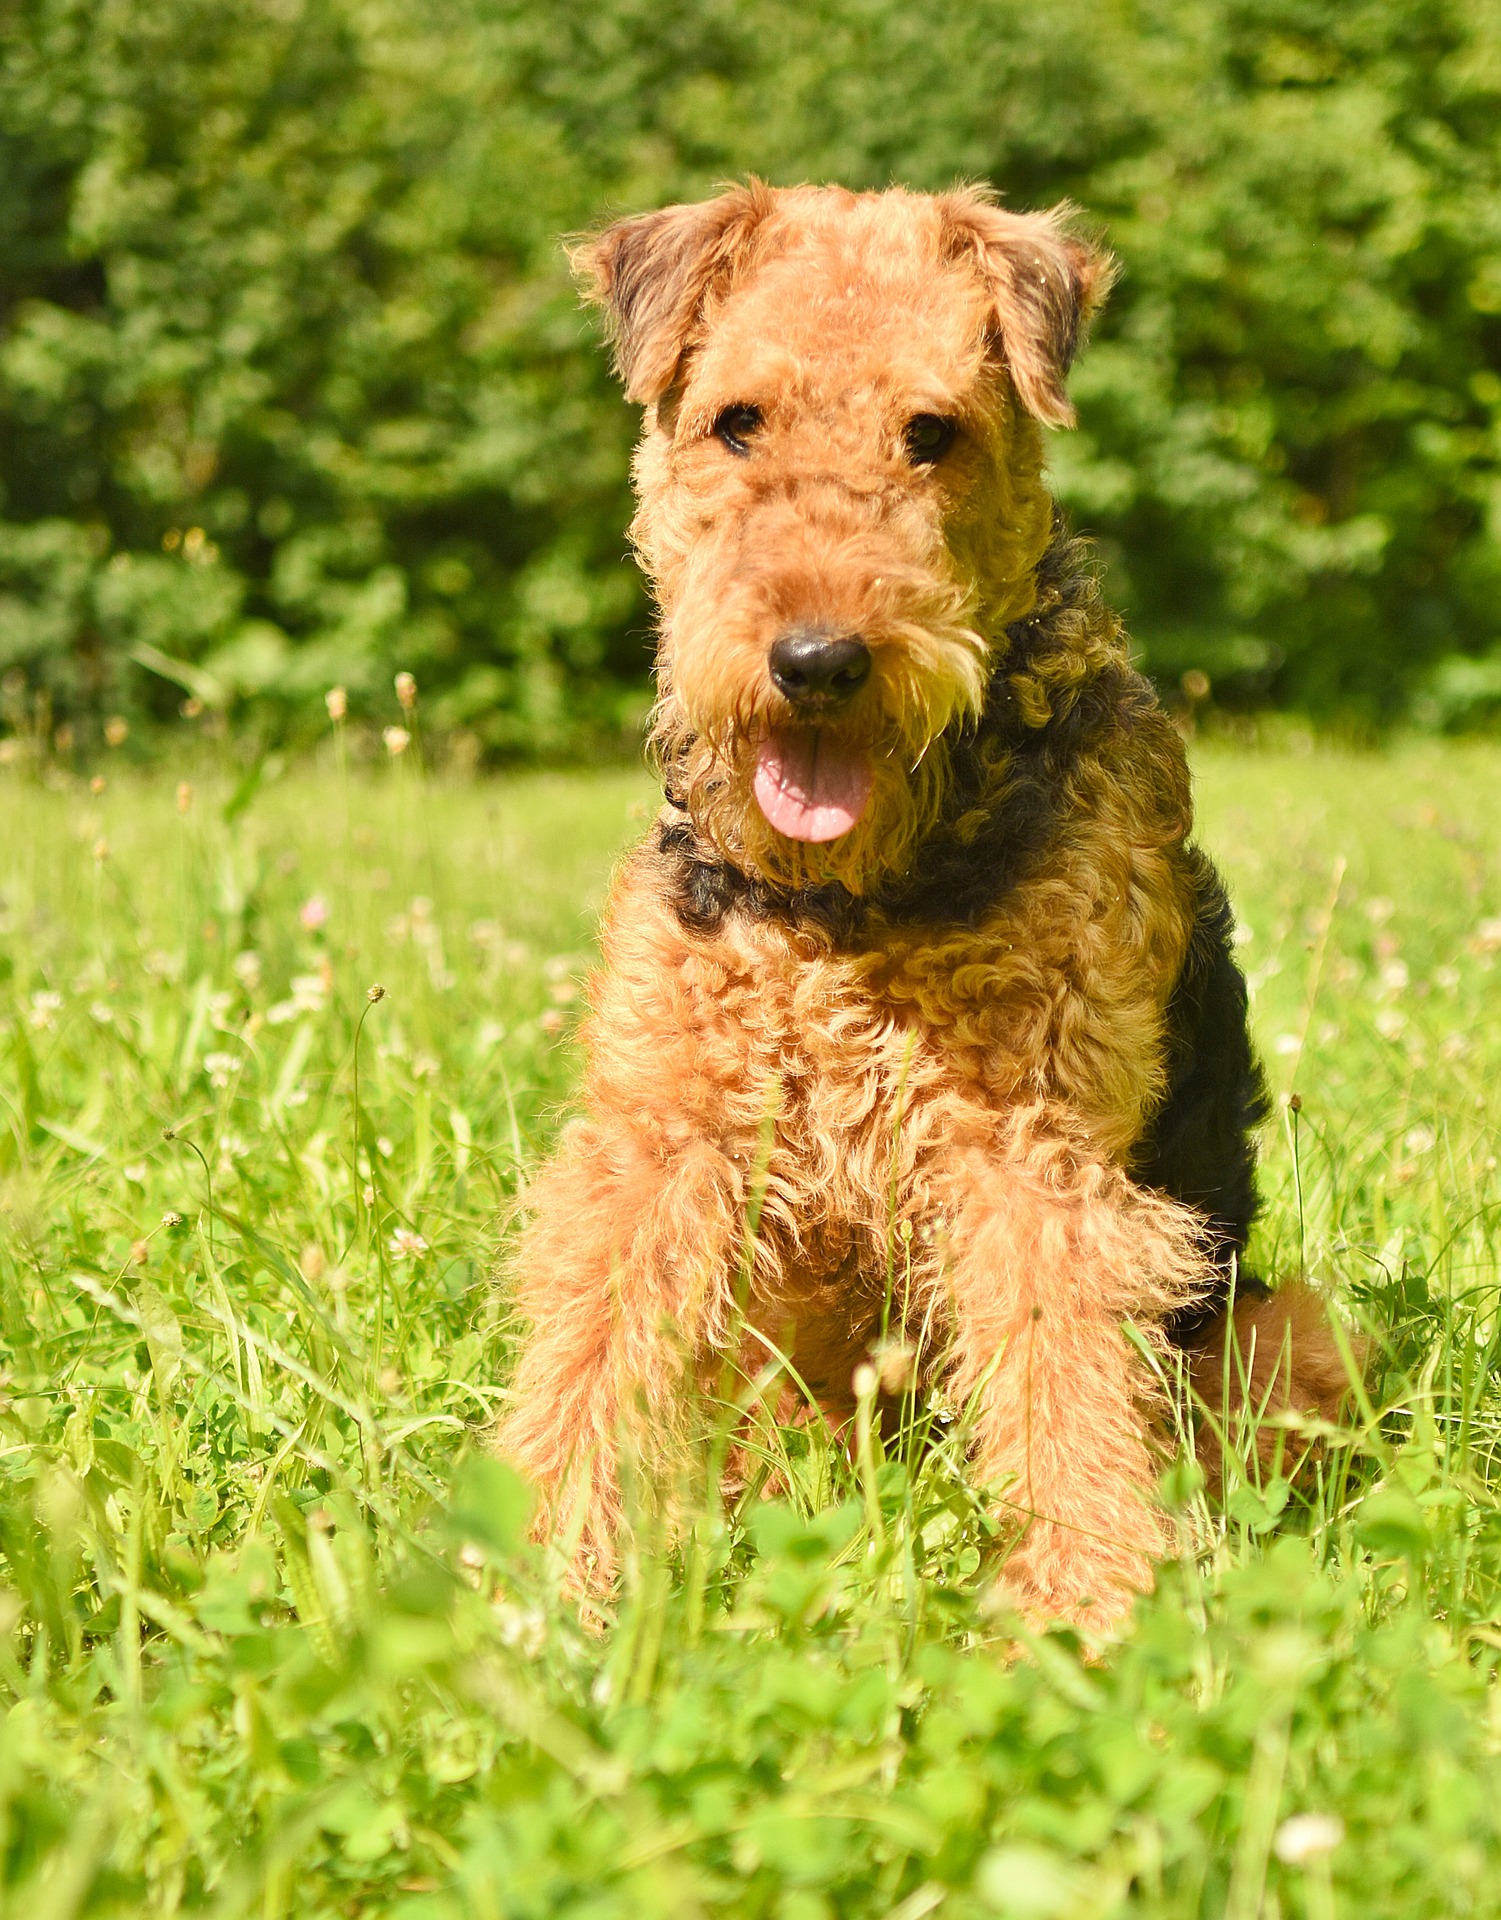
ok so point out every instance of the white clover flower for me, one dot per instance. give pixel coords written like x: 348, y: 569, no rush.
x: 1305, y: 1836
x: 309, y: 993
x: 247, y: 970
x: 219, y: 1067
x: 405, y: 1244
x: 45, y: 1007
x: 524, y: 1628
x: 1419, y: 1139
x: 488, y: 1037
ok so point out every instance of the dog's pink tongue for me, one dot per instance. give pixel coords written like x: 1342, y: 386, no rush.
x: 809, y: 785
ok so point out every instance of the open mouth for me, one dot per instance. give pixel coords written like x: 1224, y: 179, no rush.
x: 809, y: 784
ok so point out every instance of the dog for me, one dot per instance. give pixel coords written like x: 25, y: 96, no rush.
x: 919, y: 944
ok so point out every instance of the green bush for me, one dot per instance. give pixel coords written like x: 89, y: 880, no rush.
x: 294, y: 390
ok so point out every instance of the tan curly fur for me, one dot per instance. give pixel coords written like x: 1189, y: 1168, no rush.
x: 980, y: 1079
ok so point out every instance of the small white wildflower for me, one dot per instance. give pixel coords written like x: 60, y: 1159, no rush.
x: 1446, y: 979
x: 219, y: 1067
x: 1378, y: 909
x: 1390, y: 1023
x: 102, y: 1012
x: 1395, y: 977
x: 337, y: 702
x: 488, y: 1037
x: 1305, y: 1836
x: 1454, y: 1047
x: 406, y: 1245
x: 1488, y: 936
x: 247, y: 970
x: 524, y: 1628
x: 385, y: 1147
x: 1419, y: 1139
x: 1285, y: 1044
x: 406, y: 691
x: 45, y: 1007
x: 135, y: 1173
x: 309, y: 994
x: 425, y: 1066
x: 283, y: 1011
x: 313, y: 913
x: 397, y: 740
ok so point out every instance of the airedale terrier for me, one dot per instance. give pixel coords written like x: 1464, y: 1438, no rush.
x: 922, y: 892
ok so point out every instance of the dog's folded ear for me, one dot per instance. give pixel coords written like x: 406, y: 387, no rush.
x: 653, y: 272
x: 1043, y: 284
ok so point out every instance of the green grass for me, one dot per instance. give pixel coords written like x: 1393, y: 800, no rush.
x: 272, y: 1644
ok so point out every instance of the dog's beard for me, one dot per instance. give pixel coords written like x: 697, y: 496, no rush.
x: 711, y: 771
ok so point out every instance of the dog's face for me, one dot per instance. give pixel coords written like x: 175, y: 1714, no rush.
x: 841, y: 502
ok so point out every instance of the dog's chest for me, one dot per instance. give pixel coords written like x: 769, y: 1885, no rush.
x: 868, y: 1032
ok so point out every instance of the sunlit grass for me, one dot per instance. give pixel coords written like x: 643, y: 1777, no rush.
x: 264, y: 1654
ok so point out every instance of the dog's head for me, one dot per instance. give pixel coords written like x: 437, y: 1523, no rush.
x: 841, y: 497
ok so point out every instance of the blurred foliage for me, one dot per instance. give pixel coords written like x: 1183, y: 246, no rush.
x: 294, y: 390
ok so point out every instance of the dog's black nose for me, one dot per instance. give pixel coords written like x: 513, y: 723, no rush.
x: 815, y: 668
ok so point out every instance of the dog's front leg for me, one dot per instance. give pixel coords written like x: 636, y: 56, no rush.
x: 1049, y: 1251
x: 624, y: 1273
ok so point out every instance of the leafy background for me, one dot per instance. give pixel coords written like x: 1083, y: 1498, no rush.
x: 294, y: 389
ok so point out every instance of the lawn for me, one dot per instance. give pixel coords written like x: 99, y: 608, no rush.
x: 272, y: 1642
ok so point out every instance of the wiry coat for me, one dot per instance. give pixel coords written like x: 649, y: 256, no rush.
x: 998, y: 1017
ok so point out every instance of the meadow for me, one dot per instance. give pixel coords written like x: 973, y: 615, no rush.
x: 271, y: 1639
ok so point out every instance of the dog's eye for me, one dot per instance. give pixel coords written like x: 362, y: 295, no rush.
x: 929, y: 437
x: 735, y: 425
